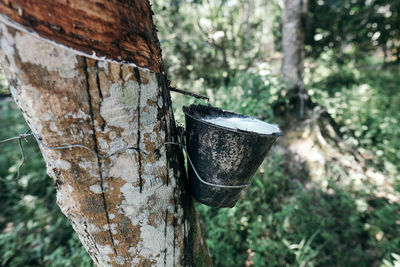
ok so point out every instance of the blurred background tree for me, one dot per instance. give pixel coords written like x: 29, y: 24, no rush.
x: 327, y: 195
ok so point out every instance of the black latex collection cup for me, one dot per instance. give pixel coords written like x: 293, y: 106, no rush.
x: 221, y: 161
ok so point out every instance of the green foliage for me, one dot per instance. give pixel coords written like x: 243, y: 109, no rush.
x: 3, y: 85
x: 353, y: 27
x: 209, y: 42
x: 280, y: 222
x: 251, y: 93
x: 255, y: 92
x: 365, y: 101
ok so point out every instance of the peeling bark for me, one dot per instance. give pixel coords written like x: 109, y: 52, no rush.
x: 119, y: 30
x: 130, y: 209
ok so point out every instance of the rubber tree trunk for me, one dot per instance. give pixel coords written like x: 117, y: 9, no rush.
x: 293, y: 51
x: 131, y: 208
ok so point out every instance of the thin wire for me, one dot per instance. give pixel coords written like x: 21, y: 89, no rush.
x: 21, y: 150
x: 69, y: 146
x: 207, y: 183
x: 15, y: 138
x: 183, y: 146
x: 180, y: 143
x: 39, y: 140
x: 103, y: 156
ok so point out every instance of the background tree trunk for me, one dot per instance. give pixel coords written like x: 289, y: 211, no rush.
x: 130, y: 209
x: 293, y: 46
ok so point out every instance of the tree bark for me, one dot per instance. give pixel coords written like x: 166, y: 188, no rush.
x: 293, y: 47
x: 122, y: 31
x: 132, y: 208
x: 293, y: 42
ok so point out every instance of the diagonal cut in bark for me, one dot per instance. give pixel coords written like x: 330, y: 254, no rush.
x: 122, y: 31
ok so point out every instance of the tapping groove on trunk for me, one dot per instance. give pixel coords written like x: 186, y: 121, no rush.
x: 137, y: 74
x: 102, y: 125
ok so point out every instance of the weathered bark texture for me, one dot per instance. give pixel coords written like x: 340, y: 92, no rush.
x: 117, y: 30
x: 130, y: 209
x: 293, y: 42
